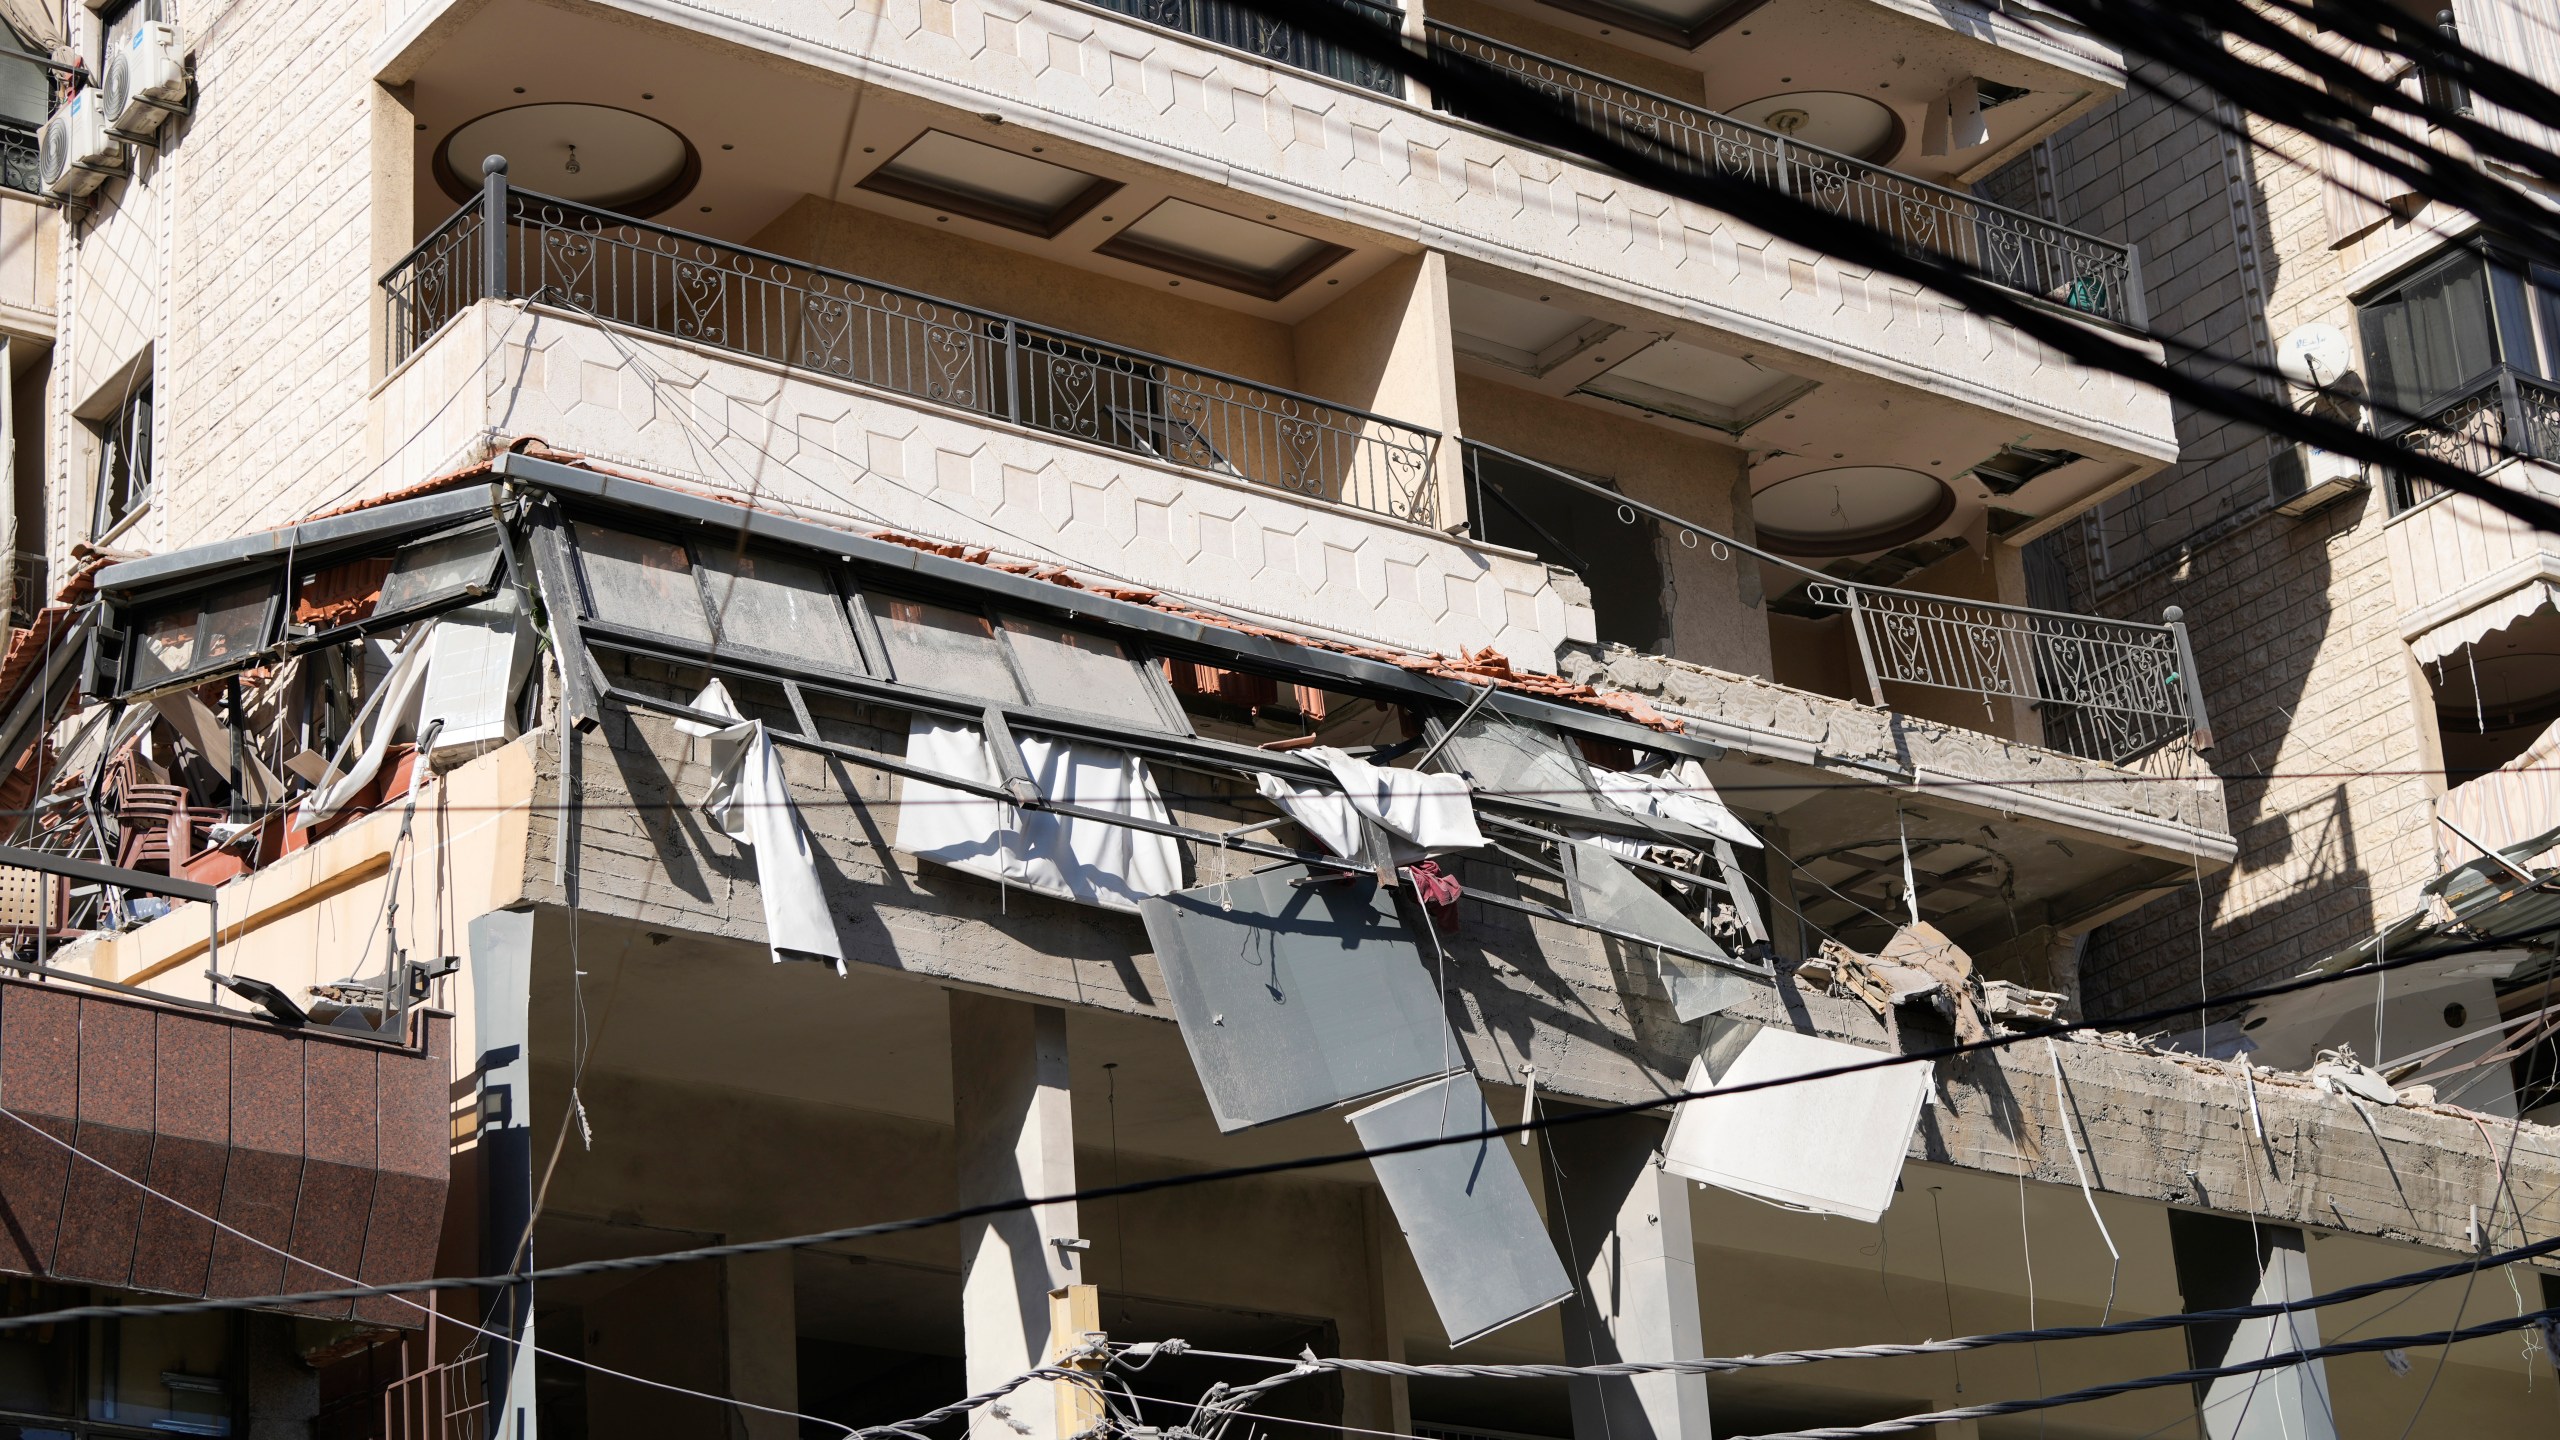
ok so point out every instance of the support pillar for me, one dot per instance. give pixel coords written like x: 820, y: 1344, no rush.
x: 1624, y: 1226
x: 2224, y: 1262
x: 764, y: 1342
x: 1014, y: 1138
x: 502, y: 991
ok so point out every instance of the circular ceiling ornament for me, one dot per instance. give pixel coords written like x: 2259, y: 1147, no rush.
x: 596, y: 155
x: 1853, y: 125
x: 1850, y: 509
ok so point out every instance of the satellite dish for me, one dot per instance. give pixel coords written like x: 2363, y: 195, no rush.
x: 2317, y: 356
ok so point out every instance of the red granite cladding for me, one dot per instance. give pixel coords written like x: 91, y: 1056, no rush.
x: 340, y: 1118
x: 189, y: 1154
x: 39, y: 1086
x: 416, y: 1156
x: 322, y: 1157
x: 264, y: 1178
x: 102, y: 1203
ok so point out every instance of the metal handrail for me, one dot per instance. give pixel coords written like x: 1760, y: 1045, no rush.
x: 2105, y: 689
x: 1249, y: 31
x: 2024, y: 252
x: 620, y: 269
x: 19, y: 145
x: 2504, y: 412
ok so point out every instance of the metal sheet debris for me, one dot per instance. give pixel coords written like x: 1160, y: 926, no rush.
x: 1834, y: 1146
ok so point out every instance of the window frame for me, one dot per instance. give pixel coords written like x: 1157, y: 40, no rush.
x: 117, y: 432
x: 1142, y: 659
x: 869, y: 657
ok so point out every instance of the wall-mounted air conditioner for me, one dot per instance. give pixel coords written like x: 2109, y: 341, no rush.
x: 76, y: 153
x: 2303, y: 479
x: 146, y: 81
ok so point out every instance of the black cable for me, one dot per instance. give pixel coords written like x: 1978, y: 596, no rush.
x: 633, y: 1264
x: 1530, y: 113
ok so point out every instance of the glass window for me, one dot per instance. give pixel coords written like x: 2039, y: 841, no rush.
x: 124, y: 461
x: 168, y: 1373
x: 2428, y: 340
x: 787, y: 607
x: 218, y: 628
x: 1525, y: 762
x: 165, y: 646
x: 939, y: 648
x: 432, y: 567
x: 235, y: 623
x: 1074, y: 671
x: 642, y: 583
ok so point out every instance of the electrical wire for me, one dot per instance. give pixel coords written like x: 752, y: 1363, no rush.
x: 1532, y: 114
x: 1579, y: 1115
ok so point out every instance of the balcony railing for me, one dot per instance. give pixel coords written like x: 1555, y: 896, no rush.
x: 2506, y: 412
x: 1239, y: 27
x: 2019, y: 251
x: 627, y: 272
x: 2107, y: 690
x: 27, y: 590
x: 18, y: 170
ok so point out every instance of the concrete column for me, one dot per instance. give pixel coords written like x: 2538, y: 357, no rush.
x: 1624, y: 1226
x: 502, y: 990
x: 2224, y: 1262
x: 764, y: 1342
x: 1014, y: 1137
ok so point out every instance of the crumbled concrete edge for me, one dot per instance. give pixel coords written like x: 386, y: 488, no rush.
x: 1762, y: 717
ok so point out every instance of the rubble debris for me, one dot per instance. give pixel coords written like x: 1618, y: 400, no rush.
x: 1754, y: 1143
x: 2338, y: 1072
x: 2016, y: 1007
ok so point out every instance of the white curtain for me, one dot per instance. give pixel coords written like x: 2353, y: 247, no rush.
x: 1089, y: 861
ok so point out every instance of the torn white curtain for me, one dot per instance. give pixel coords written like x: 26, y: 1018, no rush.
x: 751, y: 803
x: 1681, y: 793
x: 1432, y: 809
x: 1832, y: 1146
x: 1325, y: 814
x: 1089, y: 861
x: 2474, y: 626
x: 392, y: 708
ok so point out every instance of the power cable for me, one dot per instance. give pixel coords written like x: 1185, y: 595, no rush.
x: 1906, y: 1424
x: 637, y: 1263
x: 1484, y: 89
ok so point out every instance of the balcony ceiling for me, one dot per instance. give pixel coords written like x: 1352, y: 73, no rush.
x: 765, y: 134
x: 1817, y: 57
x: 1796, y: 423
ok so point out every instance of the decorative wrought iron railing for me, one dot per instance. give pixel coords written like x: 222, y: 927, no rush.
x: 628, y: 272
x: 18, y: 144
x: 1240, y: 27
x: 2019, y: 251
x: 2506, y: 412
x: 27, y: 592
x: 2102, y: 689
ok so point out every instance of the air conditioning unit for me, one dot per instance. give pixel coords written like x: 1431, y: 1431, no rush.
x: 146, y: 81
x: 75, y: 152
x: 2304, y: 479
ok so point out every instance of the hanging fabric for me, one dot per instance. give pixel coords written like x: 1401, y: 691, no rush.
x: 751, y: 803
x: 1088, y: 861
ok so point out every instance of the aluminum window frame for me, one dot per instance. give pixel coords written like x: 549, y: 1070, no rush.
x: 1142, y: 659
x: 842, y: 590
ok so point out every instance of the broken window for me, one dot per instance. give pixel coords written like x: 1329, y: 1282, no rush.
x: 939, y: 648
x: 641, y: 583
x: 1069, y: 670
x: 1512, y: 760
x: 765, y: 602
x: 203, y: 635
x: 124, y: 462
x: 443, y: 568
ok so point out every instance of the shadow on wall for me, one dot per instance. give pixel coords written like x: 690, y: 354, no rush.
x: 2203, y: 536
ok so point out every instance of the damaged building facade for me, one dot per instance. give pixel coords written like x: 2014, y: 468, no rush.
x: 703, y: 624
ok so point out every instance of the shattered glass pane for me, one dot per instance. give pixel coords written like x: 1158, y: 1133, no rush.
x: 643, y: 583
x: 785, y: 607
x: 235, y: 623
x: 1294, y: 997
x: 433, y: 567
x: 167, y: 646
x: 1074, y: 671
x: 1528, y: 762
x: 939, y: 648
x: 1608, y: 893
x: 1465, y: 1212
